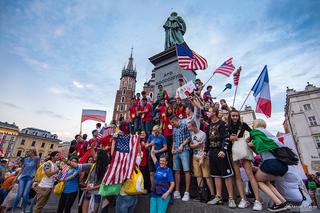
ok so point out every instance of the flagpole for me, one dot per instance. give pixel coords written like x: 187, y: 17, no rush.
x: 235, y: 94
x: 81, y: 122
x: 209, y: 79
x: 245, y: 100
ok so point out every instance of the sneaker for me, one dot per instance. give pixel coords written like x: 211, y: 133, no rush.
x: 176, y: 195
x: 279, y: 208
x: 197, y: 199
x: 243, y: 204
x: 232, y: 203
x: 186, y: 196
x: 257, y: 206
x: 216, y: 201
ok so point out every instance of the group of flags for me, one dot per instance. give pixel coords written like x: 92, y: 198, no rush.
x: 190, y: 60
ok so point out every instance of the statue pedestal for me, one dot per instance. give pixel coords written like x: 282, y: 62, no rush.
x: 168, y: 71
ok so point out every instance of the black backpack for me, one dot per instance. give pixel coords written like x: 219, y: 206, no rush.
x: 286, y: 155
x: 204, y: 192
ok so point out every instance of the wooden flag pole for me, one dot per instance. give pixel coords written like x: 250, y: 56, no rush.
x: 245, y: 100
x: 235, y: 94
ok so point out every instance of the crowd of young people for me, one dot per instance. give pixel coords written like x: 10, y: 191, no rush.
x: 186, y: 136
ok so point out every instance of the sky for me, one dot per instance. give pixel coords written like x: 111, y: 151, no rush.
x: 58, y: 57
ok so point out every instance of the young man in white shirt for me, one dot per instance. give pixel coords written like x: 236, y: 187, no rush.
x: 45, y: 186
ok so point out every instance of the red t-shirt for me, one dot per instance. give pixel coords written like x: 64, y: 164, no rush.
x: 81, y: 148
x: 162, y: 111
x: 133, y: 111
x: 144, y: 160
x: 180, y: 111
x: 167, y: 127
x: 146, y: 116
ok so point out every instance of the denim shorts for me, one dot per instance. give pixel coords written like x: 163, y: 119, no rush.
x: 181, y: 158
x: 97, y: 198
x: 274, y: 167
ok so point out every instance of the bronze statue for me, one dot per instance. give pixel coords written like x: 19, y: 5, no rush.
x: 175, y: 28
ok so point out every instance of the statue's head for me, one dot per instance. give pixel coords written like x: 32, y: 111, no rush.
x: 174, y: 14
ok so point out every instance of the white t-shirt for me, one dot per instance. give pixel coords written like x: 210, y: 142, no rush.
x: 199, y: 138
x: 48, y: 182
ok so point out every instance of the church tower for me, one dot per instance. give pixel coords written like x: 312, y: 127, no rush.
x: 126, y: 90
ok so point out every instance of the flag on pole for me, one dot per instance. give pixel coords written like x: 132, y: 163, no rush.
x: 226, y: 68
x: 190, y: 60
x: 95, y: 115
x: 261, y: 92
x: 236, y: 76
x: 123, y: 160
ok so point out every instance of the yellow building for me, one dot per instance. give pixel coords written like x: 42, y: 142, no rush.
x: 43, y: 141
x: 8, y: 137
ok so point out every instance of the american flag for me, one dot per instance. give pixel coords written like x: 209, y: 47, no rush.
x: 190, y: 60
x: 123, y: 159
x: 236, y: 76
x: 226, y: 68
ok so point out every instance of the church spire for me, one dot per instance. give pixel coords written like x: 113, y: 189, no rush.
x: 130, y: 63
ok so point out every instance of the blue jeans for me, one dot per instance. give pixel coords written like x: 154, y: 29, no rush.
x: 147, y: 126
x: 136, y: 124
x: 23, y: 191
x: 181, y: 161
x: 126, y: 204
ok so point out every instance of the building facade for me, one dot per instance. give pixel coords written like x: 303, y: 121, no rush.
x: 8, y: 137
x: 126, y: 91
x: 43, y: 141
x: 302, y: 119
x: 248, y: 115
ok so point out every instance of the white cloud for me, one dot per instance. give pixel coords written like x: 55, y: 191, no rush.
x: 58, y: 90
x: 80, y: 85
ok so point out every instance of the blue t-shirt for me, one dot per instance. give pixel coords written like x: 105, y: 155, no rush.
x: 30, y: 167
x: 71, y: 185
x: 161, y: 176
x: 159, y: 141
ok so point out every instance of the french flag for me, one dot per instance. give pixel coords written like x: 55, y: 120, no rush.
x: 261, y: 92
x: 95, y: 115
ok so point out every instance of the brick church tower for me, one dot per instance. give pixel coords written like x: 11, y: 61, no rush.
x: 126, y: 90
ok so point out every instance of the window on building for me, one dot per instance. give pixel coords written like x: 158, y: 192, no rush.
x: 121, y: 108
x: 307, y: 107
x: 36, y: 133
x: 317, y: 140
x: 51, y: 146
x: 122, y: 99
x: 40, y: 155
x: 12, y: 138
x: 19, y: 153
x: 123, y: 92
x: 22, y: 142
x: 46, y: 135
x: 33, y: 143
x: 26, y: 131
x: 42, y: 145
x: 312, y: 121
x: 151, y: 95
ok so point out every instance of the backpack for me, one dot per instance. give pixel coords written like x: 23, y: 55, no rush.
x: 39, y: 173
x: 286, y: 155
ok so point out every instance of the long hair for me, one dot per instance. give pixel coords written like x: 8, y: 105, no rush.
x: 230, y: 122
x: 101, y: 164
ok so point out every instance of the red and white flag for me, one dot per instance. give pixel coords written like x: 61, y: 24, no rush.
x: 236, y: 76
x: 94, y: 115
x: 123, y: 159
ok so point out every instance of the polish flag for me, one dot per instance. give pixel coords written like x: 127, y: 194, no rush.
x: 261, y: 92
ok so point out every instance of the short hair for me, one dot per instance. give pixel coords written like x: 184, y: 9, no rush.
x: 133, y: 98
x: 192, y: 123
x: 209, y: 87
x: 155, y: 127
x: 180, y: 80
x: 164, y: 155
x: 143, y: 92
x: 144, y: 99
x: 223, y: 100
x: 259, y: 123
x: 198, y: 79
x: 77, y: 135
x: 74, y: 157
x: 84, y: 136
x: 93, y: 131
x: 138, y: 93
x: 174, y: 118
x: 160, y: 85
x: 98, y: 125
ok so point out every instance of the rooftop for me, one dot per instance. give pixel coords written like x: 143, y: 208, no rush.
x: 7, y: 125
